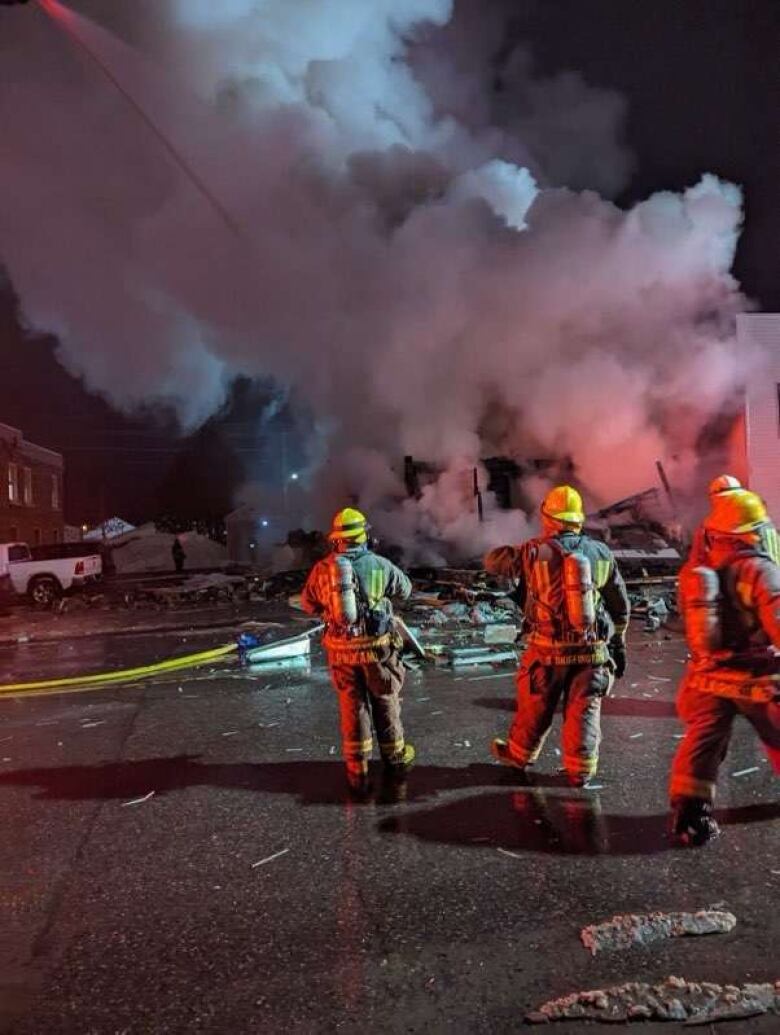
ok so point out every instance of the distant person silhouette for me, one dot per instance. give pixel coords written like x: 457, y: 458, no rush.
x: 178, y: 554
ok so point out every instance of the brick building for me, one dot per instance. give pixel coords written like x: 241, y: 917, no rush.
x: 30, y: 490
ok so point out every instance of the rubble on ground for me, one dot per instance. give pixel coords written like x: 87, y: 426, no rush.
x: 452, y: 583
x: 675, y: 999
x: 283, y: 584
x: 481, y: 614
x: 459, y: 657
x: 627, y: 930
x: 210, y: 588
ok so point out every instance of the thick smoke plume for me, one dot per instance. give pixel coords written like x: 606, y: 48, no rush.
x: 424, y: 269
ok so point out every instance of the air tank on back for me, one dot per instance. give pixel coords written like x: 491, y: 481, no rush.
x: 700, y: 590
x: 343, y: 602
x: 579, y: 594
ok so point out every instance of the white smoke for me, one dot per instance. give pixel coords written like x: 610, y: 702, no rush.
x: 428, y: 271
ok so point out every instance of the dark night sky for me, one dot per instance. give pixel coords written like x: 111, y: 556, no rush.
x: 703, y: 91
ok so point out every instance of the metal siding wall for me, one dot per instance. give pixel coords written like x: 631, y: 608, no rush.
x: 762, y: 408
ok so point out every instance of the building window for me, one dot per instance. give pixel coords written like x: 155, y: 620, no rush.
x: 55, y: 492
x: 13, y: 483
x: 13, y: 533
x: 28, y: 493
x: 55, y: 536
x: 37, y: 536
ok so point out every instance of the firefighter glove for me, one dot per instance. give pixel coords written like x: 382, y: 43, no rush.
x: 617, y: 651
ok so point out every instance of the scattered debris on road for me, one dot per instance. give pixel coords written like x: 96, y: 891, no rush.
x: 746, y: 772
x: 675, y: 999
x: 626, y: 930
x: 270, y: 858
x: 139, y: 801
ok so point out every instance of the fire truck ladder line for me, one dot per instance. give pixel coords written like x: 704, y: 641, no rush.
x: 59, y: 15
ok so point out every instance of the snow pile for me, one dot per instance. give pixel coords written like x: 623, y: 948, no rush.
x: 146, y: 549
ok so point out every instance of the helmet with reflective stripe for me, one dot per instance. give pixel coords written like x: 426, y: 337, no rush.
x: 724, y: 483
x: 563, y: 503
x: 349, y: 524
x: 736, y: 513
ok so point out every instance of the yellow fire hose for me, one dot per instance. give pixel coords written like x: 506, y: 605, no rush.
x: 73, y: 684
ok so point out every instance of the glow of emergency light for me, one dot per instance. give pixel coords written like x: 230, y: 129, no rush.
x: 264, y: 522
x: 294, y: 476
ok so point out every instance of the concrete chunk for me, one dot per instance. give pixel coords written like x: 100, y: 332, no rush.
x: 627, y: 930
x: 501, y: 633
x: 675, y: 999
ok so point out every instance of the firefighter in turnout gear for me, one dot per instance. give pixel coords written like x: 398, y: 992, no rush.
x: 576, y: 612
x: 720, y: 491
x: 731, y: 605
x: 351, y: 590
x: 724, y: 484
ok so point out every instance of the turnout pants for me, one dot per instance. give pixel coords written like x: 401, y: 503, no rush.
x: 708, y: 721
x: 370, y: 694
x: 539, y: 689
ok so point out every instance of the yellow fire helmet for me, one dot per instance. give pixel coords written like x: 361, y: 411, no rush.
x: 724, y: 483
x: 736, y: 513
x: 349, y: 524
x: 563, y: 503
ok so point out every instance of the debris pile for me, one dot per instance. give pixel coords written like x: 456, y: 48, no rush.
x: 626, y: 930
x: 283, y: 584
x: 209, y: 588
x: 656, y: 610
x: 429, y: 611
x: 642, y: 532
x: 675, y: 999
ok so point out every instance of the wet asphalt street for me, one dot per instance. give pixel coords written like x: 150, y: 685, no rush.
x: 180, y: 856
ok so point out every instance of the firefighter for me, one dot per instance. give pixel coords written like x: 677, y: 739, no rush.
x: 731, y: 607
x: 724, y: 484
x: 576, y: 612
x: 351, y: 589
x: 720, y: 489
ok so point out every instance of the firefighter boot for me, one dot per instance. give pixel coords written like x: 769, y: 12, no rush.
x: 502, y: 752
x: 400, y: 763
x: 357, y: 778
x: 693, y: 823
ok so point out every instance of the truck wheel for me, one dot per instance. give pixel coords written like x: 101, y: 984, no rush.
x: 44, y: 590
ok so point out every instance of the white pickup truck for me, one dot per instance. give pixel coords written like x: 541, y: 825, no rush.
x: 43, y: 581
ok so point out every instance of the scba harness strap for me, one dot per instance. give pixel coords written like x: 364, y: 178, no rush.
x: 579, y: 645
x: 373, y: 627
